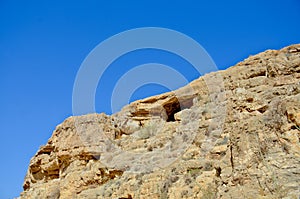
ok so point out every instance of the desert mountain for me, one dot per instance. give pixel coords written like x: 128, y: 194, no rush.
x: 229, y: 134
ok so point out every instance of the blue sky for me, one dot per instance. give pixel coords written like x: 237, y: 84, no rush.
x: 43, y: 43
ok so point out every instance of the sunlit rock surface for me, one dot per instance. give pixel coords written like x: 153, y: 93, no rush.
x: 228, y: 134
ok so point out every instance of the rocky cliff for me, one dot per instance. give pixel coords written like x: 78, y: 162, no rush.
x: 228, y: 134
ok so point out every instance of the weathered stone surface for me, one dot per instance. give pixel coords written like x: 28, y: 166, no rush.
x: 238, y: 138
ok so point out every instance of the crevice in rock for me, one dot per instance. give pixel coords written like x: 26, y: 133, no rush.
x: 218, y: 171
x: 259, y: 73
x: 295, y: 127
x: 26, y: 185
x: 262, y: 109
x: 249, y: 100
x: 46, y: 150
x: 101, y: 177
x: 128, y: 197
x: 231, y: 158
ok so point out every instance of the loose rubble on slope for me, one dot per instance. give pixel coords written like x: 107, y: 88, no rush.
x: 228, y: 134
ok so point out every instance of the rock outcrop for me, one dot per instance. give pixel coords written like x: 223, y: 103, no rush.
x: 228, y: 134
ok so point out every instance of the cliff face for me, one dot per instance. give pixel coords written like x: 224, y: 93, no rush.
x: 228, y: 134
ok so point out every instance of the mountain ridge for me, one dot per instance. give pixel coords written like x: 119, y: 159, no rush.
x: 229, y: 133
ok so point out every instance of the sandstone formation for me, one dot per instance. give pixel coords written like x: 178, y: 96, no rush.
x: 228, y: 134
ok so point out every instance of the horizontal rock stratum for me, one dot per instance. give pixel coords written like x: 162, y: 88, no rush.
x: 229, y: 134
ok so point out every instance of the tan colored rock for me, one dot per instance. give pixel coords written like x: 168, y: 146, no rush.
x: 234, y: 138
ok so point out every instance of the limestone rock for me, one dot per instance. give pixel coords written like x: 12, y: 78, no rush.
x: 228, y: 134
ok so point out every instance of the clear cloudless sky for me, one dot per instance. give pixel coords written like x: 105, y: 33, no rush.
x: 43, y: 43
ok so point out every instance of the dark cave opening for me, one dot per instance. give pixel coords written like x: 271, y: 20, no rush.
x: 174, y: 106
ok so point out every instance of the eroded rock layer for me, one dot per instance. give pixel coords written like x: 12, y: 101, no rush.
x: 228, y: 134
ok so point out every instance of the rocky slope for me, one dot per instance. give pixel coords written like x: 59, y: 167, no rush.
x: 229, y: 134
